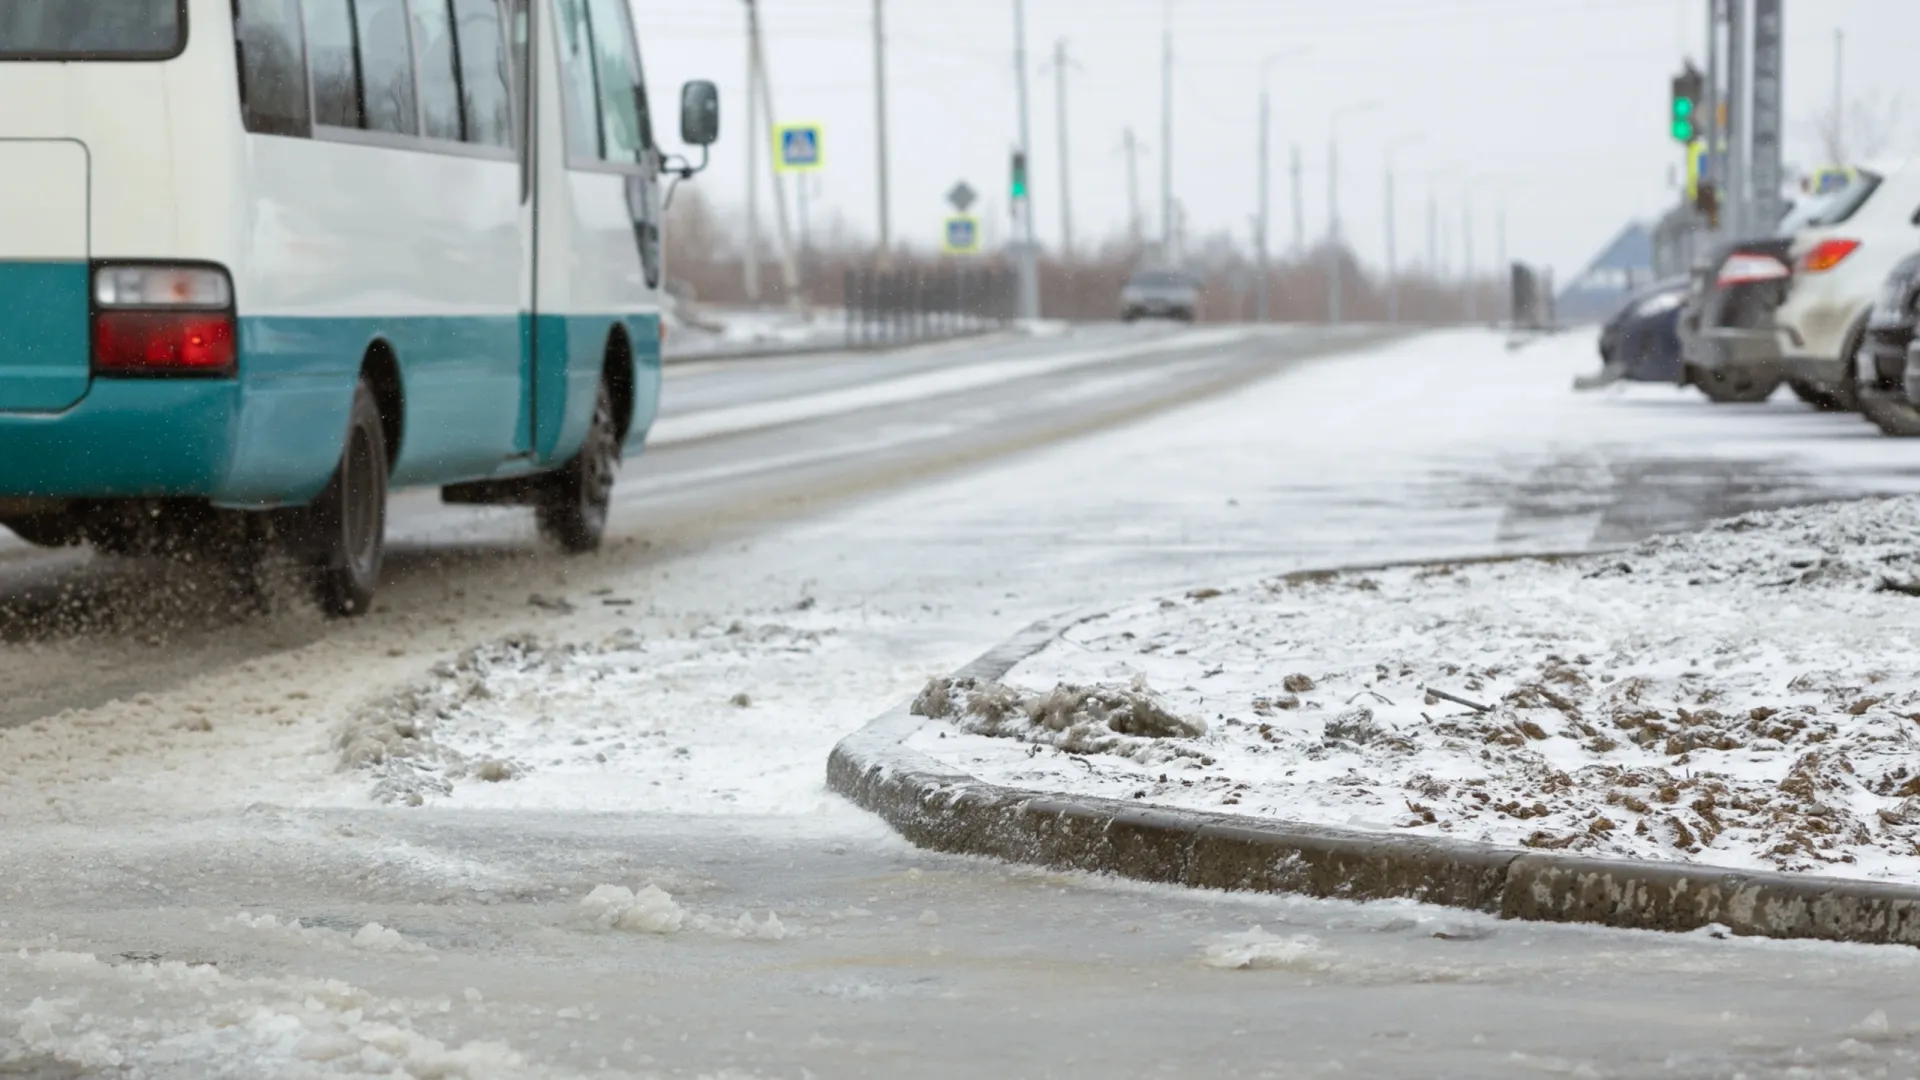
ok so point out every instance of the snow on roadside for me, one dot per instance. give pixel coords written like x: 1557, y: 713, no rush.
x: 712, y: 717
x: 170, y: 1019
x: 1745, y: 696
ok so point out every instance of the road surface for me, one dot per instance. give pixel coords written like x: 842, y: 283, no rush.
x: 819, y: 536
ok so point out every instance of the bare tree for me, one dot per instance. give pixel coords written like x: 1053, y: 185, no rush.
x: 1866, y: 127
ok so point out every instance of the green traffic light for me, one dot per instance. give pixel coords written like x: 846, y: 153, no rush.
x: 1683, y: 130
x: 1683, y: 107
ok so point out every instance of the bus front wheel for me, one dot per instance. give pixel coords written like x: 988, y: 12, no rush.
x: 572, y: 512
x: 350, y: 517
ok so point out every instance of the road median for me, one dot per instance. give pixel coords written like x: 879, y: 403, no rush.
x: 939, y: 805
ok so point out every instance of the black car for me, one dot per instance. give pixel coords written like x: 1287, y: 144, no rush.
x: 1881, y: 367
x: 1642, y: 340
x: 1726, y: 328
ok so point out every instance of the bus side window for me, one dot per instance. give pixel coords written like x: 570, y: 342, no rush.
x: 484, y: 79
x: 273, y: 67
x: 386, y: 66
x: 623, y: 121
x: 439, y: 74
x: 334, y: 63
x: 576, y: 63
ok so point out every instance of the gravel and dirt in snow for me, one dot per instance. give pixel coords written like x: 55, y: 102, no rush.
x: 1744, y: 696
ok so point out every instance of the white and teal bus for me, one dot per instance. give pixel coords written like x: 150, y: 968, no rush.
x: 262, y: 260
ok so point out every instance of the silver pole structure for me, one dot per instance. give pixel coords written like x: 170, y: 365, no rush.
x: 1739, y: 120
x: 1299, y: 205
x: 1166, y: 135
x: 1393, y: 273
x: 1260, y: 238
x: 880, y: 124
x: 1029, y: 270
x: 1066, y: 147
x: 1333, y: 229
x: 750, y: 268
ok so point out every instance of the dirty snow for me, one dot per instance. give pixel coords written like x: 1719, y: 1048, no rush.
x: 168, y: 1019
x: 1744, y: 696
x: 672, y: 718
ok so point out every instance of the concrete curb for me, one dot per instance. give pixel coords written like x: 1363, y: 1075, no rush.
x: 940, y: 808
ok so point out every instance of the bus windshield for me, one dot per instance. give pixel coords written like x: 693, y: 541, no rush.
x: 91, y: 30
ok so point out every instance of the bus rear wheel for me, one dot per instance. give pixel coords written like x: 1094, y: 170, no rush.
x: 572, y: 511
x: 349, y: 519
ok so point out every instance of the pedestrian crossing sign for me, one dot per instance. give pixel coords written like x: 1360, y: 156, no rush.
x: 796, y: 147
x: 962, y: 235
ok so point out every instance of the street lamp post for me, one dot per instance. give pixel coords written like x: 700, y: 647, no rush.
x: 1333, y: 202
x: 1261, y: 245
x: 1393, y: 267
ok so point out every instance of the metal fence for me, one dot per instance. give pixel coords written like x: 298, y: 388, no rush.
x: 897, y: 306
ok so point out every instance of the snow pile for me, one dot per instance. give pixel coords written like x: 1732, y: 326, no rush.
x: 371, y: 937
x: 1131, y: 722
x: 172, y: 1019
x: 1746, y: 696
x: 616, y: 907
x: 653, y: 910
x: 526, y: 721
x: 1257, y: 949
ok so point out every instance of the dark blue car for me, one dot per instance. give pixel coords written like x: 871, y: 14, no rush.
x: 1642, y: 340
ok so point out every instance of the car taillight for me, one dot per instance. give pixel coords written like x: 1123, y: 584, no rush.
x: 163, y: 343
x: 1748, y: 269
x: 163, y: 319
x: 1826, y: 255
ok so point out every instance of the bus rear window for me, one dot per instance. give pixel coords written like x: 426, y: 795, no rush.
x: 92, y: 29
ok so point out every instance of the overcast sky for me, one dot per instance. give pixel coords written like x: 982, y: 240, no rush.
x: 1555, y: 109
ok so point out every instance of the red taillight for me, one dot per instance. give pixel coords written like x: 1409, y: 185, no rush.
x: 163, y: 343
x: 1826, y: 255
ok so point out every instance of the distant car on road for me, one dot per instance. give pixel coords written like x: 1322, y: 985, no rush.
x: 1160, y: 294
x: 1642, y: 341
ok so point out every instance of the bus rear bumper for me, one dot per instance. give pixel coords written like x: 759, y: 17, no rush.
x: 213, y: 439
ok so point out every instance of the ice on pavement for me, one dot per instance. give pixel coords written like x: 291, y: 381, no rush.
x: 616, y: 907
x: 1257, y: 949
x: 170, y: 1019
x: 1743, y: 696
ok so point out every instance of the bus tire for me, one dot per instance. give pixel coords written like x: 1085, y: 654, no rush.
x: 572, y: 511
x: 349, y: 519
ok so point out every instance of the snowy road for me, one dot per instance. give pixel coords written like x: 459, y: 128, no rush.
x: 169, y: 775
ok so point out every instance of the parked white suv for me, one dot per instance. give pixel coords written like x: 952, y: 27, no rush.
x: 1840, y: 261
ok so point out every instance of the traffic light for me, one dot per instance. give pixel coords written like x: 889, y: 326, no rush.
x: 1019, y: 175
x: 1688, y: 88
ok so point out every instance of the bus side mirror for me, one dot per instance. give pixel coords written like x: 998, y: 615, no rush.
x: 699, y: 113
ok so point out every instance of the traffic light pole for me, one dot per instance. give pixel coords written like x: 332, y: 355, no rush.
x: 1027, y: 260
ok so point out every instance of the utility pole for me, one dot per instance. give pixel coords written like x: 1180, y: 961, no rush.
x: 1739, y: 95
x: 1029, y: 255
x: 1260, y: 237
x: 1059, y: 68
x: 1765, y: 126
x: 1839, y: 87
x: 1133, y: 187
x: 1299, y: 206
x: 1710, y: 127
x: 750, y: 267
x: 1166, y: 135
x: 789, y: 269
x: 1333, y: 229
x: 1393, y: 273
x: 1466, y: 255
x: 1393, y: 229
x: 880, y: 125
